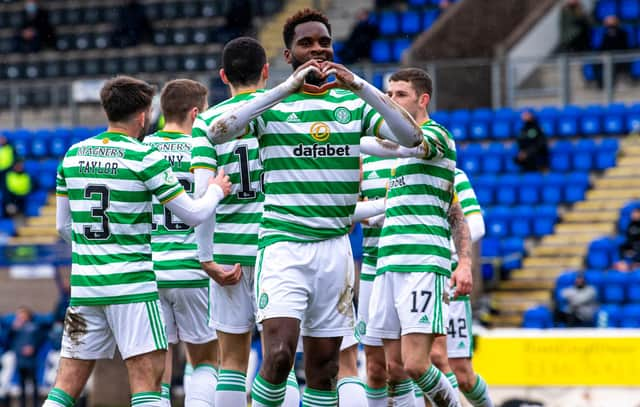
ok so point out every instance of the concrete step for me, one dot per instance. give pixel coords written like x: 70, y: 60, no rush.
x: 568, y: 239
x: 32, y: 231
x: 48, y: 211
x: 544, y: 262
x: 30, y: 240
x: 49, y: 221
x: 590, y: 216
x: 558, y: 251
x: 505, y: 321
x: 621, y: 172
x: 509, y: 296
x: 526, y: 284
x: 611, y: 204
x: 586, y: 228
x: 612, y: 194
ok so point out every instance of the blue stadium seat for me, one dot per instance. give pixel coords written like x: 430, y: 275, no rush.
x: 512, y: 250
x: 601, y: 253
x: 479, y: 125
x: 614, y: 287
x: 381, y: 51
x: 545, y: 220
x: 547, y: 118
x: 490, y: 247
x: 576, y: 187
x: 492, y: 161
x: 399, y: 46
x: 609, y: 316
x: 459, y: 124
x: 7, y: 227
x: 564, y: 280
x: 561, y: 153
x: 388, y: 23
x: 506, y: 194
x: 630, y: 316
x: 568, y: 121
x: 441, y: 117
x: 582, y: 157
x: 418, y: 3
x: 510, y: 153
x: 635, y: 66
x: 469, y: 158
x: 537, y: 318
x: 21, y: 141
x: 606, y: 153
x: 613, y: 122
x: 633, y: 287
x: 633, y: 118
x: 521, y: 222
x: 529, y: 191
x: 591, y: 121
x: 48, y: 169
x: 625, y: 216
x: 32, y: 167
x: 484, y: 188
x: 428, y: 18
x: 606, y: 8
x: 502, y: 124
x: 498, y: 219
x: 410, y: 23
x: 552, y: 189
x: 589, y: 72
x: 629, y: 9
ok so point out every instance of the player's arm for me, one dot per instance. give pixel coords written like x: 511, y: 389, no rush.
x: 461, y: 277
x: 398, y: 125
x: 470, y: 205
x: 388, y: 149
x: 195, y: 211
x: 63, y: 217
x: 234, y: 123
x: 476, y: 226
x: 367, y: 209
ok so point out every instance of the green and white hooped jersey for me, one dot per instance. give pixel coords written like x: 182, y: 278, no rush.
x: 376, y: 173
x: 238, y: 215
x: 173, y: 243
x: 109, y: 180
x: 310, y: 150
x: 466, y: 195
x: 416, y: 234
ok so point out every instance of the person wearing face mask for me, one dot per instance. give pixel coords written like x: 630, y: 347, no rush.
x: 580, y: 303
x: 105, y: 187
x: 36, y: 32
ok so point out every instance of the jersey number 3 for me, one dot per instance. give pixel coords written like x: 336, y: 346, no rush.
x: 102, y: 232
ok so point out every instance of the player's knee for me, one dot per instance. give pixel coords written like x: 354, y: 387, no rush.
x: 465, y: 375
x: 326, y: 375
x: 415, y: 368
x: 396, y: 370
x: 439, y: 358
x: 279, y: 361
x: 376, y: 371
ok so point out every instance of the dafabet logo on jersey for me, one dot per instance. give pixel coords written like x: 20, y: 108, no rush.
x: 320, y: 132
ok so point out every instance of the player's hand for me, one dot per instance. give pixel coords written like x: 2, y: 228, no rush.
x: 344, y: 77
x: 222, y: 181
x: 296, y: 80
x: 221, y: 274
x: 462, y: 279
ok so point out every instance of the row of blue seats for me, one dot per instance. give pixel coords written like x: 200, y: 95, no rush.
x: 613, y: 287
x: 583, y: 155
x: 523, y: 221
x: 607, y: 316
x: 385, y: 51
x: 597, y: 35
x: 571, y: 121
x: 590, y: 71
x: 530, y: 188
x: 43, y: 143
x: 604, y: 251
x: 508, y: 250
x: 624, y: 9
x: 411, y: 22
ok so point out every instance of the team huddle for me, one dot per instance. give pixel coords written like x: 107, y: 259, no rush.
x: 237, y: 216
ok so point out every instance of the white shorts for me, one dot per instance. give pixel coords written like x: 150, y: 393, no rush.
x: 348, y: 341
x: 186, y: 312
x: 459, y: 334
x: 312, y: 282
x: 92, y: 332
x: 234, y: 306
x: 364, y: 296
x: 405, y: 303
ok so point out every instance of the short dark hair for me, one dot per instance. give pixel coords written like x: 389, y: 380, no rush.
x: 418, y: 78
x: 124, y: 96
x: 302, y: 16
x: 181, y: 95
x: 242, y: 60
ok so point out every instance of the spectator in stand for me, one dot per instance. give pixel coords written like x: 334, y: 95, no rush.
x: 133, y: 26
x: 581, y: 302
x: 7, y: 159
x: 533, y: 151
x: 18, y: 185
x: 615, y: 39
x: 575, y: 26
x: 36, y: 32
x: 630, y: 250
x: 25, y: 339
x: 358, y: 45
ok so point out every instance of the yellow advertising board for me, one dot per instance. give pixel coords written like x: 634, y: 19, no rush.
x: 559, y: 357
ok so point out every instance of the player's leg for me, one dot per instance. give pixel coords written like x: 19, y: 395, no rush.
x: 281, y: 292
x: 401, y: 392
x: 86, y: 338
x: 472, y: 385
x: 234, y: 324
x: 423, y: 315
x: 351, y: 389
x: 376, y: 386
x: 191, y: 311
x: 440, y: 359
x: 139, y: 332
x: 188, y: 371
x: 167, y: 304
x: 328, y: 318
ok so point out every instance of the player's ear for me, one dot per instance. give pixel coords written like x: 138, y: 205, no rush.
x: 223, y: 76
x: 287, y: 55
x: 265, y: 72
x: 424, y: 100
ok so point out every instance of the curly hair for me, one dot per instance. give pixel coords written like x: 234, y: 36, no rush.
x: 302, y: 16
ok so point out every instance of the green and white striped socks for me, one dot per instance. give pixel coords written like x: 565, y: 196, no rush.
x: 438, y: 388
x: 479, y: 395
x: 202, y: 389
x: 265, y: 394
x: 319, y: 398
x: 292, y: 392
x: 419, y: 396
x: 165, y: 394
x: 146, y: 399
x: 231, y: 389
x: 377, y: 397
x: 453, y: 380
x: 351, y: 392
x: 59, y: 398
x: 402, y: 393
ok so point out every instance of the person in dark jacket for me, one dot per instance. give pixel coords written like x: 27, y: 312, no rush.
x: 358, y: 45
x: 630, y: 249
x: 533, y: 151
x: 35, y: 32
x: 25, y: 339
x: 615, y: 39
x: 575, y: 26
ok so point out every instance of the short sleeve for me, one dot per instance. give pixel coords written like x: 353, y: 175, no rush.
x: 158, y: 177
x: 371, y: 121
x: 61, y: 182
